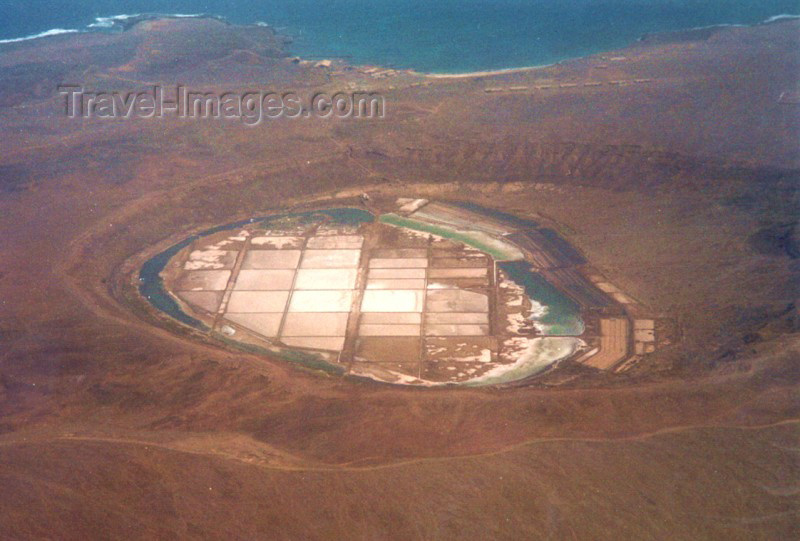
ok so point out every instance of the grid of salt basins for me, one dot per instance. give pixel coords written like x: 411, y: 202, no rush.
x: 303, y: 297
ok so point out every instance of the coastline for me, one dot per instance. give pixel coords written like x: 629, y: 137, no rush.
x: 118, y: 23
x: 644, y: 38
x: 123, y: 22
x: 46, y: 33
x: 484, y: 73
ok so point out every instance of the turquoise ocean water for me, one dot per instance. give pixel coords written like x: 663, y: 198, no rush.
x: 443, y: 36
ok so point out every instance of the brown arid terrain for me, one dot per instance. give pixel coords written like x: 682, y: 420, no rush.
x: 673, y: 166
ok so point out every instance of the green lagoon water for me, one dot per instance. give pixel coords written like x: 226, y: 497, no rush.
x: 562, y: 315
x: 501, y: 251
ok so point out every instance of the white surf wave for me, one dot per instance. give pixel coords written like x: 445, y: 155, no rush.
x: 775, y: 18
x: 51, y: 32
x: 101, y: 23
x: 781, y: 17
x: 720, y: 25
x: 110, y: 21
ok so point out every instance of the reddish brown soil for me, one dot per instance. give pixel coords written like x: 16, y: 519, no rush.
x: 682, y: 191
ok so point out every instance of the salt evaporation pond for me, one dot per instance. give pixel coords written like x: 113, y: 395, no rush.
x: 554, y: 314
x: 151, y: 286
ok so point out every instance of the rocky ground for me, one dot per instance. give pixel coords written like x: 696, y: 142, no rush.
x: 680, y: 188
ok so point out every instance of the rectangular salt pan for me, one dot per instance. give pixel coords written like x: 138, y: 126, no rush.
x: 321, y: 301
x: 326, y: 279
x: 405, y: 263
x: 456, y: 330
x: 276, y: 243
x: 389, y: 330
x: 204, y: 280
x: 395, y: 284
x: 264, y: 324
x: 271, y: 259
x: 395, y: 253
x: 467, y: 272
x: 336, y: 242
x: 257, y: 301
x: 388, y: 318
x: 396, y: 273
x: 456, y: 300
x: 330, y: 258
x: 264, y: 280
x: 408, y: 300
x: 456, y: 318
x: 211, y: 259
x: 318, y: 324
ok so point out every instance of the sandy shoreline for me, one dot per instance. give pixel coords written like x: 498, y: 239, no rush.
x: 505, y: 71
x: 487, y: 73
